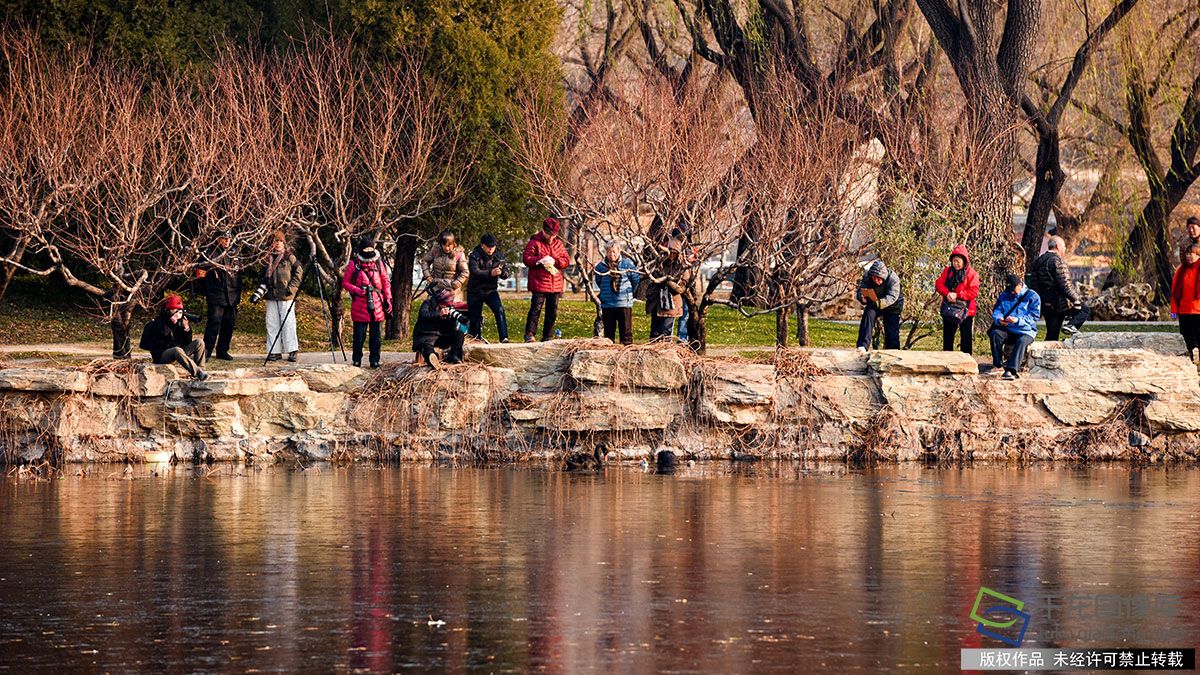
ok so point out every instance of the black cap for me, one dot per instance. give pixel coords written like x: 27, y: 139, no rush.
x: 1011, y: 282
x: 488, y: 240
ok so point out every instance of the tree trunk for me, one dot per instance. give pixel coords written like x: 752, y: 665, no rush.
x: 781, y: 327
x: 336, y: 315
x: 802, y: 338
x: 122, y: 346
x: 1049, y: 181
x: 400, y: 320
x: 697, y: 328
x: 1147, y: 246
x: 8, y: 271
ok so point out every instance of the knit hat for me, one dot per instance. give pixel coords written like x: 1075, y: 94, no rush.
x: 1011, y: 282
x: 444, y: 297
x: 878, y: 269
x: 488, y: 240
x: 174, y: 302
x: 366, y: 250
x: 550, y: 226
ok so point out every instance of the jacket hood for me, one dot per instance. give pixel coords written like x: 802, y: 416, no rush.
x: 878, y: 269
x: 961, y: 250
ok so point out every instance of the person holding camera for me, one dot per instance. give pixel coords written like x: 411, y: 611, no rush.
x: 487, y: 267
x: 445, y: 266
x: 279, y: 283
x: 959, y: 286
x: 371, y: 291
x: 546, y: 257
x: 222, y: 283
x: 437, y: 328
x: 1052, y: 282
x: 617, y: 276
x: 168, y: 338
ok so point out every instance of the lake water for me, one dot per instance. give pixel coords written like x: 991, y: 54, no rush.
x: 716, y: 568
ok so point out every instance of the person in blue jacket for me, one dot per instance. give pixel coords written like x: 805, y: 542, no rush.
x: 1014, y: 322
x: 617, y: 276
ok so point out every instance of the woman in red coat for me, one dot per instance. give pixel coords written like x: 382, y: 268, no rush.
x: 958, y: 286
x: 546, y: 257
x: 1185, y: 299
x: 371, y: 291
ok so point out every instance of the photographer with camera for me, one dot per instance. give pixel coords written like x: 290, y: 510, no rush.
x: 487, y: 266
x: 219, y: 277
x: 437, y: 328
x: 168, y: 338
x: 445, y: 266
x: 279, y: 283
x: 368, y: 285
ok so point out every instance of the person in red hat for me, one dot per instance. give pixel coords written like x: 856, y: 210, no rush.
x: 546, y: 257
x: 437, y: 328
x: 168, y: 338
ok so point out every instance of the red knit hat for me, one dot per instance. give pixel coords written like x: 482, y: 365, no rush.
x: 550, y: 225
x: 174, y: 302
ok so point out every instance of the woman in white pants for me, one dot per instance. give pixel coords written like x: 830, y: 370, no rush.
x: 282, y: 277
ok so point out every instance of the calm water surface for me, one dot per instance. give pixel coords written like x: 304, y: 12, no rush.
x: 712, y: 569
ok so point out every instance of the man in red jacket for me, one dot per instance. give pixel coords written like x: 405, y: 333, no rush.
x: 546, y: 257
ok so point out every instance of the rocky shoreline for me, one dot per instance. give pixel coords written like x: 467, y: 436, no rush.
x: 1100, y: 396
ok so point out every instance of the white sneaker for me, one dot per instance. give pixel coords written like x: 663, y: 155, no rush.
x: 861, y: 350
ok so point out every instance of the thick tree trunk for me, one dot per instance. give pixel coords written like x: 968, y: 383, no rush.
x: 337, y: 314
x: 15, y: 252
x: 400, y: 320
x: 802, y: 312
x: 1049, y: 181
x: 781, y: 327
x: 122, y: 346
x: 697, y: 328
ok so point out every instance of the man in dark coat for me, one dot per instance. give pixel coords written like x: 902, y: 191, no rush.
x: 879, y: 294
x: 168, y: 338
x: 486, y: 266
x: 1052, y: 283
x: 222, y: 283
x: 437, y: 328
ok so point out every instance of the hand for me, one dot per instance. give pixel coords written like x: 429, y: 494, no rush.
x: 1174, y: 315
x: 443, y: 311
x: 546, y: 260
x: 495, y: 271
x: 175, y: 316
x: 186, y: 326
x: 952, y: 296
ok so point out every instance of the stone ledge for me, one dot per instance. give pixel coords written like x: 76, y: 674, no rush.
x: 899, y: 362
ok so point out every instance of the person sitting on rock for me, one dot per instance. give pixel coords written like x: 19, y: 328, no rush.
x: 168, y: 338
x: 1052, y: 282
x: 880, y: 295
x: 1014, y: 324
x: 437, y: 328
x: 1185, y: 300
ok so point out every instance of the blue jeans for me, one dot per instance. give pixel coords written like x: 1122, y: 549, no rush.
x: 475, y: 314
x: 683, y: 333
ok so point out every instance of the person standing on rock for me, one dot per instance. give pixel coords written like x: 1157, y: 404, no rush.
x: 168, y: 338
x: 880, y: 295
x: 1052, y: 282
x: 546, y: 257
x: 487, y: 267
x: 368, y: 285
x: 437, y: 329
x: 959, y: 286
x: 445, y: 266
x: 219, y: 275
x: 1185, y: 300
x: 664, y: 295
x: 1014, y: 324
x: 616, y: 277
x: 281, y: 276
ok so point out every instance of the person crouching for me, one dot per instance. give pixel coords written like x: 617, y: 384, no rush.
x: 168, y: 338
x: 437, y: 328
x: 371, y: 290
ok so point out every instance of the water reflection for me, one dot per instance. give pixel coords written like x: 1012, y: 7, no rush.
x: 738, y: 568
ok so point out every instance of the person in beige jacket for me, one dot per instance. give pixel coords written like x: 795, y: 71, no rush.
x: 445, y: 266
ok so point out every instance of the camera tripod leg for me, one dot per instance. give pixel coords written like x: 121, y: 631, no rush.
x: 325, y: 313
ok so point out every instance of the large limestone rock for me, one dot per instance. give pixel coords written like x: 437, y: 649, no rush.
x: 839, y: 361
x: 837, y: 397
x: 607, y: 409
x: 1182, y: 414
x: 239, y: 387
x: 630, y: 368
x: 1117, y: 371
x: 900, y: 362
x: 48, y: 380
x: 141, y: 382
x: 286, y: 412
x: 215, y: 419
x: 333, y: 377
x: 539, y: 366
x: 741, y: 393
x: 1169, y: 344
x: 1075, y: 408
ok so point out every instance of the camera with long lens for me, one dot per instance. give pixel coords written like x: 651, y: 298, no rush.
x: 259, y: 293
x: 370, y: 293
x: 457, y: 316
x: 191, y: 317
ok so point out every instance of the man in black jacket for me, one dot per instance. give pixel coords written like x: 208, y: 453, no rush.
x: 223, y: 291
x: 168, y: 338
x: 437, y: 328
x: 1052, y: 282
x: 486, y: 266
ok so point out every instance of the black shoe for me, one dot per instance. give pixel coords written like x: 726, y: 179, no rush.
x: 358, y: 364
x: 375, y: 366
x: 1070, y: 330
x: 275, y: 357
x: 225, y: 357
x: 293, y: 356
x: 200, y: 376
x: 1010, y: 375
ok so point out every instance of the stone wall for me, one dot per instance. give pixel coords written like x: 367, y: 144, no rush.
x: 1097, y: 396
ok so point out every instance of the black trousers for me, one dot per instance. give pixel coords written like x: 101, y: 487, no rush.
x: 475, y: 314
x: 1054, y: 321
x: 891, y: 328
x: 540, y: 300
x: 450, y: 341
x: 618, y: 319
x: 218, y: 328
x: 1189, y: 328
x: 966, y: 332
x: 360, y: 336
x: 661, y: 325
x: 1019, y: 341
